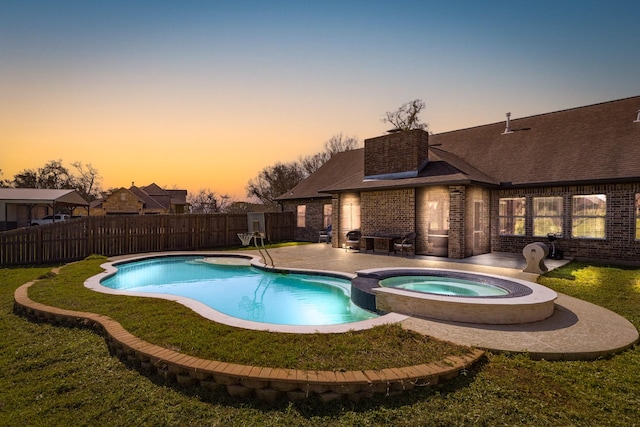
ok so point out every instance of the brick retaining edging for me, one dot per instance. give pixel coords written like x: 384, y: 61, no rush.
x: 267, y: 384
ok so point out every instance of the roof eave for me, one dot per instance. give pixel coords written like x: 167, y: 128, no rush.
x: 319, y: 195
x: 597, y: 181
x: 409, y: 185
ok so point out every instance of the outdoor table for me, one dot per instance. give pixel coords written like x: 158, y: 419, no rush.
x: 378, y: 243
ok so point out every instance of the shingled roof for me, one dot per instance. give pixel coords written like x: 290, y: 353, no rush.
x: 148, y: 201
x: 596, y: 143
x: 346, y: 166
x: 593, y: 144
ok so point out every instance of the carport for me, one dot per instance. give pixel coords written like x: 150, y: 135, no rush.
x: 17, y: 204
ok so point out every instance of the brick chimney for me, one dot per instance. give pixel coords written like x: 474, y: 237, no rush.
x: 397, y: 155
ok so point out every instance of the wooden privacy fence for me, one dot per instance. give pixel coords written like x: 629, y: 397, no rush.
x: 121, y: 235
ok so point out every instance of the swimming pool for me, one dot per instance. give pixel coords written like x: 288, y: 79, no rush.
x: 231, y: 290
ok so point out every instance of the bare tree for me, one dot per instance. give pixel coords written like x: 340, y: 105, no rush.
x: 244, y: 207
x: 336, y: 144
x: 207, y: 201
x: 53, y: 175
x: 274, y: 181
x: 406, y: 117
x: 88, y: 181
x: 312, y: 163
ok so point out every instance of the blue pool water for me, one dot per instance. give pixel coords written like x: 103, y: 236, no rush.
x: 243, y: 291
x: 443, y: 286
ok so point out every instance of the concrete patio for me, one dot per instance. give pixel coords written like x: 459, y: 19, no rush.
x: 576, y: 330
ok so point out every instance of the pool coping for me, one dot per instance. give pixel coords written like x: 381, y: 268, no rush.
x: 245, y: 381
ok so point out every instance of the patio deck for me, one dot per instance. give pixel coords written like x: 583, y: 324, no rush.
x: 577, y: 330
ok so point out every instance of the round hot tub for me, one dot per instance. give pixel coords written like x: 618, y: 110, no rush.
x: 452, y: 295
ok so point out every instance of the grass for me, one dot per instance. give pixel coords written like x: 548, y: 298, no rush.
x: 59, y: 376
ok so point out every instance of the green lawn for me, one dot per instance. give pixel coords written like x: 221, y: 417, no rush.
x: 59, y: 376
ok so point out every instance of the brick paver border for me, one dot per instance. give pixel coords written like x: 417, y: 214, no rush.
x: 265, y: 384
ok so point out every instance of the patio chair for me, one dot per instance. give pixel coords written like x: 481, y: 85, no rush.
x: 353, y: 240
x: 406, y: 244
x: 325, y: 235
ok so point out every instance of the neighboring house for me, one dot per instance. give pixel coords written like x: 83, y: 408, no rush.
x: 149, y: 200
x: 493, y: 188
x: 18, y: 206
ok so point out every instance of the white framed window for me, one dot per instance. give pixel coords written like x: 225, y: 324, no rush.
x: 547, y: 216
x: 301, y: 216
x: 511, y: 215
x: 637, y: 216
x: 327, y: 210
x: 588, y: 216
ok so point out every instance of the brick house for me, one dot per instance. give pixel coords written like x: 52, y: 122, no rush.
x: 149, y: 200
x: 493, y: 188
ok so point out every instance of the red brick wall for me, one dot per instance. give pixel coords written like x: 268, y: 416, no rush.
x: 388, y: 213
x: 313, y: 218
x: 396, y: 152
x: 457, y: 231
x: 335, y: 221
x: 619, y: 245
x: 394, y: 212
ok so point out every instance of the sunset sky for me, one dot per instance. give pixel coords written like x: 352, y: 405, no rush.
x: 205, y: 94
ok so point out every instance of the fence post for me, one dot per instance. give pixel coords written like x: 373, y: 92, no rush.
x: 87, y: 236
x: 39, y: 249
x: 226, y: 229
x: 163, y: 234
